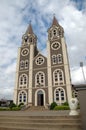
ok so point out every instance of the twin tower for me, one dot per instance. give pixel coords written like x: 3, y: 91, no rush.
x: 42, y: 80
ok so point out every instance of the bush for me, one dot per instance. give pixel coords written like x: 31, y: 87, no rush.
x: 12, y: 105
x: 4, y: 109
x: 65, y: 104
x: 21, y: 104
x: 53, y: 105
x: 15, y: 108
x: 62, y: 108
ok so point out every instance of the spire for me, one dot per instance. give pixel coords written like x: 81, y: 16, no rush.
x: 29, y: 29
x: 55, y: 22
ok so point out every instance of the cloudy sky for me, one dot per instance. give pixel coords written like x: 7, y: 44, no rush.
x: 15, y: 16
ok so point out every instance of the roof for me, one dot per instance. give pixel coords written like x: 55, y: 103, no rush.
x: 29, y: 29
x: 79, y: 87
x: 55, y: 22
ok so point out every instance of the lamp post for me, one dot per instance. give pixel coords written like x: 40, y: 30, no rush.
x: 81, y: 65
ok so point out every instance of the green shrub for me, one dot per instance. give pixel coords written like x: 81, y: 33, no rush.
x: 62, y: 108
x: 4, y: 109
x: 15, y: 108
x: 53, y: 105
x: 65, y: 104
x: 12, y: 105
x: 21, y: 104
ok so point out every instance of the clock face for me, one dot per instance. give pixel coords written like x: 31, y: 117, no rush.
x: 25, y: 52
x: 55, y: 45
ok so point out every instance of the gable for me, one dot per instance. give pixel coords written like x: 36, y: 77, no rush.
x: 39, y: 61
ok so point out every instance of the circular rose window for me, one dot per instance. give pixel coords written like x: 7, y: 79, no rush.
x: 40, y: 60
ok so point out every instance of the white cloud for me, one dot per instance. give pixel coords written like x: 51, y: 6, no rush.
x: 78, y: 75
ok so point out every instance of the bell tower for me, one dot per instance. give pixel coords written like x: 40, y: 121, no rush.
x: 29, y: 37
x: 58, y: 65
x: 24, y: 69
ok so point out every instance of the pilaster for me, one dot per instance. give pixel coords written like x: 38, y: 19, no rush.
x: 50, y: 95
x: 16, y: 78
x: 30, y: 74
x: 66, y: 69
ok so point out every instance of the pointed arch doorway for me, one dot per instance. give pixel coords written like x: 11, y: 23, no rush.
x: 40, y: 98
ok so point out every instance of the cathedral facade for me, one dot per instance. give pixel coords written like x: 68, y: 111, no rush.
x: 42, y: 80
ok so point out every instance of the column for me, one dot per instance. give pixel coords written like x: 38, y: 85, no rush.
x: 30, y: 74
x: 15, y: 99
x: 50, y: 95
x: 66, y: 69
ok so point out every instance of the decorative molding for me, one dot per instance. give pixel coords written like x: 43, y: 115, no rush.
x: 55, y: 45
x: 39, y: 60
x: 24, y: 52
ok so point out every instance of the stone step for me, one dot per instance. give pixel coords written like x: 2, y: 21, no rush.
x: 42, y: 127
x: 40, y: 120
x: 39, y: 117
x: 58, y: 128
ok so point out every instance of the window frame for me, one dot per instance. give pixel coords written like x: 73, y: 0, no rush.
x: 40, y: 79
x: 26, y: 66
x: 54, y: 59
x: 38, y: 59
x: 24, y: 81
x: 57, y: 75
x: 22, y: 64
x: 55, y: 43
x: 59, y: 58
x: 22, y: 97
x: 59, y: 93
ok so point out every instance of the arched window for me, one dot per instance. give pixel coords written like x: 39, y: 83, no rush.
x: 58, y: 77
x: 54, y: 59
x: 23, y: 81
x: 26, y: 64
x: 21, y: 64
x: 55, y: 32
x: 22, y: 97
x: 59, y: 95
x: 40, y: 79
x: 59, y: 57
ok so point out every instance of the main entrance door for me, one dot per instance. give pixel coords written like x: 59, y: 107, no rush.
x: 40, y: 98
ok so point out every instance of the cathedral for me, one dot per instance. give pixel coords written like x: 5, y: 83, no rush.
x: 42, y: 80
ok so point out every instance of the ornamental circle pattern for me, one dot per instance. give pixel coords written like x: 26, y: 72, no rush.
x: 39, y: 60
x: 25, y: 52
x: 55, y: 45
